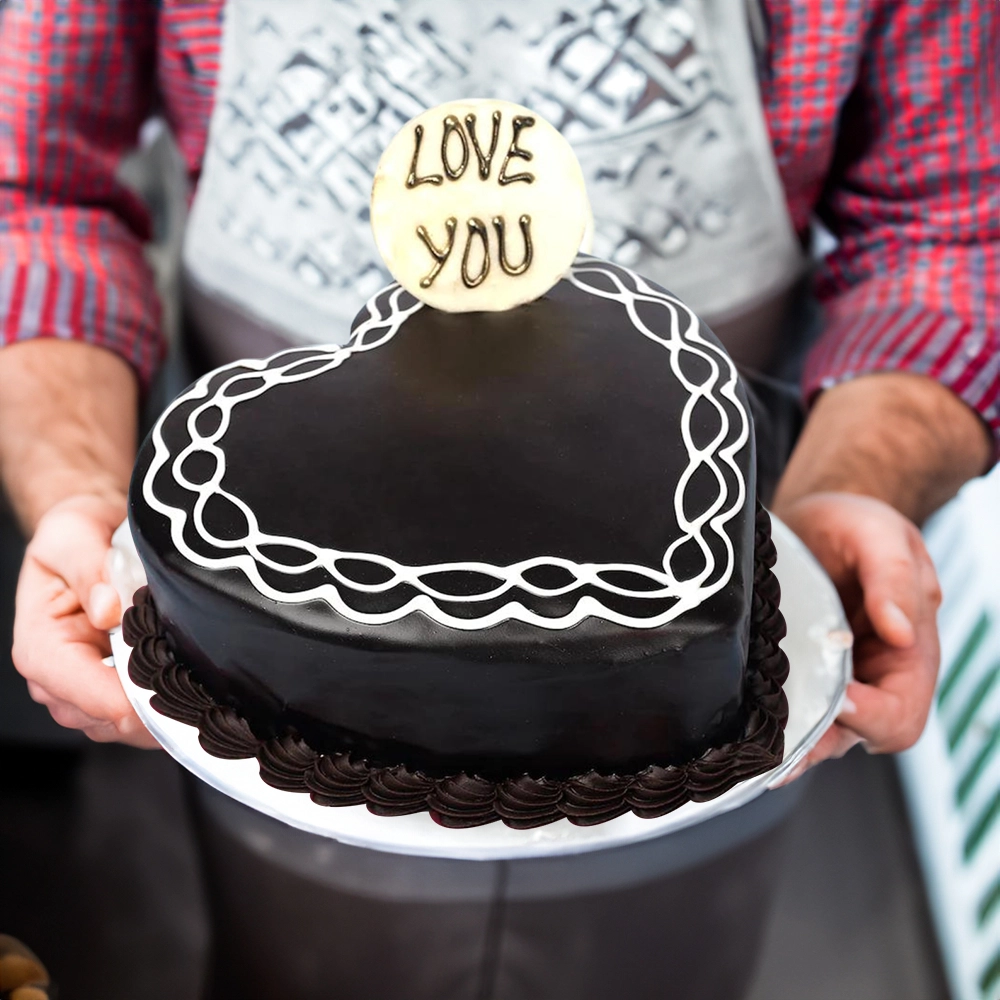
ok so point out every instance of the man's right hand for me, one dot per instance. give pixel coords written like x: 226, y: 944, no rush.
x: 67, y: 443
x: 65, y: 607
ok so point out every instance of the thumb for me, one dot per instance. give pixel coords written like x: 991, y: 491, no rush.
x: 103, y: 606
x: 72, y: 541
x: 890, y: 579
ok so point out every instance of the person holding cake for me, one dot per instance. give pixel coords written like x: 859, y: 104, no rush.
x: 703, y: 164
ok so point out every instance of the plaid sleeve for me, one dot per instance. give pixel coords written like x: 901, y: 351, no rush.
x: 914, y: 199
x: 76, y: 82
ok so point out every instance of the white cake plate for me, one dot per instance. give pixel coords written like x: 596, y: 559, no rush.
x: 818, y: 647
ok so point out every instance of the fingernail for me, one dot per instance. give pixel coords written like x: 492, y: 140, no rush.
x: 898, y: 618
x: 848, y: 705
x: 103, y: 602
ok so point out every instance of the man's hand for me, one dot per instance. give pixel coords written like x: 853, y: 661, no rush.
x: 886, y: 581
x: 877, y: 456
x: 68, y: 415
x: 64, y: 608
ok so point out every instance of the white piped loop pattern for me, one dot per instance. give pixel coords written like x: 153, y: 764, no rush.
x: 386, y: 313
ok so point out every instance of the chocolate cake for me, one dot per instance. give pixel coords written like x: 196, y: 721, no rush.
x: 500, y: 556
x: 497, y: 566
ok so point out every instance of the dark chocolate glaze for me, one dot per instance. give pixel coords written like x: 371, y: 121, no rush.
x: 289, y: 763
x: 550, y: 430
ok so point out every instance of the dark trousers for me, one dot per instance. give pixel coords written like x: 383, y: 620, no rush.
x: 680, y: 916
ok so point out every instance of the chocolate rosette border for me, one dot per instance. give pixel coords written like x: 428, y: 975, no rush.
x: 288, y: 763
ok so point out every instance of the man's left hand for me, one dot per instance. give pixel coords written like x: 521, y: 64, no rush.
x: 887, y: 583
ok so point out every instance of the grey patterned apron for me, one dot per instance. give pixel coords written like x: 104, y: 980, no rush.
x: 658, y: 97
x: 660, y: 100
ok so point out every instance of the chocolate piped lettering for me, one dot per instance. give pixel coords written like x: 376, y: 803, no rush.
x: 452, y: 126
x: 485, y: 160
x: 520, y: 123
x: 453, y: 129
x: 478, y: 233
x: 476, y: 228
x: 440, y: 256
x: 459, y: 141
x: 412, y: 179
x: 505, y: 265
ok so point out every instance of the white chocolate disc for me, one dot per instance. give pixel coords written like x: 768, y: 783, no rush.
x: 479, y: 206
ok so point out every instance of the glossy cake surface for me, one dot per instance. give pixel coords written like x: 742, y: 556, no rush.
x: 500, y: 544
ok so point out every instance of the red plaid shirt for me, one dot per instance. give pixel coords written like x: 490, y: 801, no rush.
x: 884, y: 115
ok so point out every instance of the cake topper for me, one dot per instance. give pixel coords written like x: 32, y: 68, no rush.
x: 479, y: 206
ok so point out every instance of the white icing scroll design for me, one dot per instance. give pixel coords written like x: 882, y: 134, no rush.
x: 386, y: 313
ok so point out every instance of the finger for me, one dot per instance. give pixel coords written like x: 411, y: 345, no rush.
x: 61, y: 654
x: 65, y: 659
x: 133, y: 733
x: 73, y: 545
x: 130, y: 731
x: 833, y: 744
x: 836, y: 742
x: 795, y: 774
x: 891, y: 580
x: 103, y: 606
x: 84, y: 681
x: 891, y: 716
x: 70, y: 717
x: 47, y: 611
x: 67, y: 715
x: 39, y: 694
